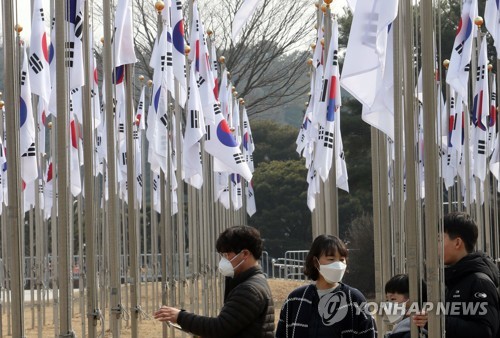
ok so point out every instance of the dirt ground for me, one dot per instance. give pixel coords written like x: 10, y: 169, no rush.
x: 147, y: 327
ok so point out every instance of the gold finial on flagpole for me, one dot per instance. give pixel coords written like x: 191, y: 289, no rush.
x: 222, y: 59
x: 2, y: 104
x: 233, y: 89
x: 323, y: 7
x: 478, y: 21
x: 187, y: 49
x: 328, y: 2
x: 209, y: 32
x: 446, y: 63
x: 141, y: 78
x: 49, y: 125
x: 313, y: 46
x: 490, y: 67
x: 159, y: 6
x: 102, y: 39
x: 150, y: 83
x: 309, y: 62
x: 322, y: 42
x: 18, y: 28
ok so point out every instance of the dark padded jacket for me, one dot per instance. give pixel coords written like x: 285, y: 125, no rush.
x: 248, y: 310
x: 472, y: 281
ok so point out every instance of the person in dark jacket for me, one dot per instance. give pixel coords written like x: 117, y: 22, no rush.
x: 327, y: 308
x: 471, y: 278
x: 397, y: 294
x: 248, y: 309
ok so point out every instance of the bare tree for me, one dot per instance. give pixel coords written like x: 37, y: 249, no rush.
x: 269, y: 61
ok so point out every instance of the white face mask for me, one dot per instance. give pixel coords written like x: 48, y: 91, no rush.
x: 332, y: 272
x: 226, y: 268
x: 394, y: 312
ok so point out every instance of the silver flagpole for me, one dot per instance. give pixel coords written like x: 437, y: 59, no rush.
x: 432, y: 187
x: 63, y: 182
x: 398, y: 201
x: 16, y: 224
x: 116, y: 307
x: 412, y: 234
x: 377, y: 224
x: 88, y: 266
x: 131, y: 219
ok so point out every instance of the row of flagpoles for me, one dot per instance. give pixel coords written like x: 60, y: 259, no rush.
x: 434, y: 142
x: 185, y: 128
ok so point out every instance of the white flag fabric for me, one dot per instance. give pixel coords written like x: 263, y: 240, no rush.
x: 236, y: 191
x: 480, y: 113
x: 381, y: 112
x: 241, y: 17
x: 194, y: 131
x: 492, y: 21
x: 248, y: 144
x: 74, y: 45
x: 221, y: 144
x: 329, y: 104
x: 39, y: 54
x: 48, y: 192
x: 178, y: 57
x: 221, y: 187
x: 250, y: 194
x: 124, y: 34
x: 495, y: 160
x: 458, y: 70
x: 364, y: 63
x: 319, y: 49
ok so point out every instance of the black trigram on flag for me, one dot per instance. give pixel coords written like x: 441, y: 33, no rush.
x: 493, y: 96
x: 481, y: 147
x: 140, y: 106
x: 197, y: 25
x: 321, y: 133
x: 155, y: 184
x: 238, y: 191
x: 238, y: 158
x: 31, y: 151
x: 195, y: 116
x: 370, y: 29
x: 185, y: 72
x: 139, y: 180
x: 178, y: 4
x: 121, y: 128
x: 448, y: 160
x: 215, y: 64
x: 71, y: 106
x: 69, y: 53
x: 335, y: 58
x: 200, y: 81
x: 35, y: 63
x: 169, y: 59
x: 135, y: 134
x: 460, y: 48
x: 217, y: 109
x: 40, y: 187
x: 42, y: 15
x: 23, y: 78
x: 162, y: 62
x: 245, y: 124
x: 480, y: 72
x: 467, y: 67
x: 79, y: 26
x: 164, y: 120
x: 124, y: 158
x: 98, y: 140
x: 207, y: 132
x: 328, y: 138
x: 92, y: 93
x: 452, y: 103
x: 323, y: 90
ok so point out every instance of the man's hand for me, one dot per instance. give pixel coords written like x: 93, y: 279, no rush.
x: 420, y: 319
x: 167, y: 314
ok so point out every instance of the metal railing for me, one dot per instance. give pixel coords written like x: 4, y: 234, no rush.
x: 289, y: 267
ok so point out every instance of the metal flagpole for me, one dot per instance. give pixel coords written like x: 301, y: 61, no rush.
x: 65, y: 304
x: 433, y: 266
x: 412, y: 235
x: 116, y: 308
x: 379, y: 282
x: 398, y: 186
x: 16, y: 224
x: 88, y: 267
x: 131, y: 219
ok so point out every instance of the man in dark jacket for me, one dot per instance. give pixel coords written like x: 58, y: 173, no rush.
x: 248, y: 309
x: 471, y: 279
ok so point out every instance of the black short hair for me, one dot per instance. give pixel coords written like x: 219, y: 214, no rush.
x: 322, y: 245
x: 460, y: 224
x: 398, y: 284
x: 401, y: 284
x: 238, y: 238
